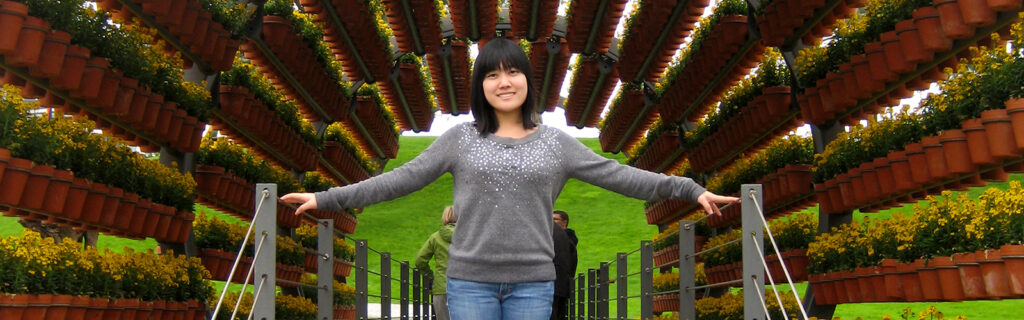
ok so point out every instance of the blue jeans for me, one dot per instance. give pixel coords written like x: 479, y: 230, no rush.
x: 471, y: 300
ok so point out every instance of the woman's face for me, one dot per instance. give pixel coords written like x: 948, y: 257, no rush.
x: 505, y: 89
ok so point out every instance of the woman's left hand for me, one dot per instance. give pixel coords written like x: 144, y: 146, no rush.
x: 710, y: 202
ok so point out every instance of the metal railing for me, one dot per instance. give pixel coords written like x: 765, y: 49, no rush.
x: 591, y: 300
x: 413, y: 289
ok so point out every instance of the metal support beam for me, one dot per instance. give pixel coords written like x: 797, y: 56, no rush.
x: 602, y: 291
x: 362, y: 294
x: 581, y: 298
x: 604, y: 68
x: 646, y: 280
x: 592, y: 294
x: 753, y: 270
x: 385, y: 285
x: 404, y: 294
x: 417, y: 303
x: 325, y: 269
x: 677, y: 12
x: 588, y: 48
x: 265, y: 268
x: 622, y: 286
x: 446, y: 66
x: 687, y: 271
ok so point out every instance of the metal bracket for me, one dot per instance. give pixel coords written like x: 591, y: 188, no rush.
x: 352, y: 99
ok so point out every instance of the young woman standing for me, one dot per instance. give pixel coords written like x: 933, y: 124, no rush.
x: 507, y: 171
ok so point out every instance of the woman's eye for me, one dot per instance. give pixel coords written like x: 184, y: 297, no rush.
x: 513, y: 71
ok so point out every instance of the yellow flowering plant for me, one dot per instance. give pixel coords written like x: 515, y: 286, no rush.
x: 795, y: 232
x: 244, y: 163
x: 727, y: 254
x: 373, y: 92
x: 290, y: 252
x: 213, y: 233
x: 841, y: 249
x: 244, y: 74
x: 294, y: 308
x: 344, y: 295
x: 705, y: 26
x: 730, y: 306
x: 230, y: 14
x: 336, y: 132
x: 791, y: 149
x: 892, y: 131
x: 306, y: 235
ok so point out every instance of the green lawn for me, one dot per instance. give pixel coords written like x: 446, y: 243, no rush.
x: 606, y: 223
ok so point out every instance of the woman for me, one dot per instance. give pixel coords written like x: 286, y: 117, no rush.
x: 437, y: 247
x: 507, y: 173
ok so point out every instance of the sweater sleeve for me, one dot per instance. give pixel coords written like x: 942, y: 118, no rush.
x: 423, y: 256
x: 589, y: 167
x: 429, y: 165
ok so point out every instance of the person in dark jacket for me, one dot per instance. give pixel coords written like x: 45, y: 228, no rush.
x: 565, y: 268
x: 562, y: 220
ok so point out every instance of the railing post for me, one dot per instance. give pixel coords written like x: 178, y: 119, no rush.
x: 646, y: 280
x: 417, y: 303
x: 265, y: 269
x: 362, y: 298
x: 581, y: 296
x: 687, y: 266
x: 621, y: 305
x: 427, y: 297
x: 602, y: 291
x: 592, y: 294
x: 325, y: 269
x: 385, y: 285
x: 404, y: 295
x: 571, y: 300
x: 753, y: 270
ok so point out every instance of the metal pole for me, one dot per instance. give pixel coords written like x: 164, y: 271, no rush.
x: 404, y: 296
x: 385, y: 285
x: 361, y: 291
x: 687, y: 271
x: 592, y: 294
x: 416, y: 301
x: 266, y: 266
x: 581, y: 299
x: 571, y: 300
x: 325, y: 269
x: 427, y: 297
x: 602, y: 291
x: 646, y: 280
x: 622, y: 286
x: 753, y: 273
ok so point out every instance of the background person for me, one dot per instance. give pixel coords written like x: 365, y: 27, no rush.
x: 436, y: 247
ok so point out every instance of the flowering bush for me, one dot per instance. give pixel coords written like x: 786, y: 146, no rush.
x: 730, y: 306
x: 70, y: 145
x: 244, y: 74
x: 307, y: 237
x: 336, y: 132
x: 670, y: 236
x: 290, y: 252
x: 240, y: 161
x: 892, y: 132
x: 780, y: 152
x: 727, y: 254
x: 30, y: 264
x: 796, y: 232
x: 213, y: 233
x: 285, y: 307
x: 230, y: 14
x: 373, y: 92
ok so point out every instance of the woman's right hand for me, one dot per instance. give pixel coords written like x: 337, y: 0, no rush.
x: 307, y: 200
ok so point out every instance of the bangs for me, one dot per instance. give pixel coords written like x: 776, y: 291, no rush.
x: 502, y: 55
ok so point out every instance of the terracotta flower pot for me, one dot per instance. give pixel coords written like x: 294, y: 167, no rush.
x: 953, y: 25
x: 970, y: 275
x: 70, y: 75
x: 51, y: 58
x: 976, y: 13
x: 1013, y: 257
x: 57, y: 191
x: 994, y: 273
x: 35, y: 187
x: 914, y: 49
x: 12, y: 17
x: 977, y: 142
x: 893, y: 286
x: 949, y: 278
x: 936, y: 159
x: 1004, y: 5
x: 954, y: 145
x: 929, y: 277
x: 910, y: 281
x: 30, y: 43
x: 999, y: 130
x: 929, y: 27
x: 15, y: 177
x: 92, y: 78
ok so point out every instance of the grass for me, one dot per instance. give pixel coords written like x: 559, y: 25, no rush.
x: 607, y: 223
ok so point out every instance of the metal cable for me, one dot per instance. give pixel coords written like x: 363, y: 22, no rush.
x: 238, y: 258
x: 713, y: 285
x: 719, y: 210
x: 763, y: 304
x: 248, y: 275
x: 771, y: 279
x: 785, y: 270
x: 256, y: 297
x: 715, y: 247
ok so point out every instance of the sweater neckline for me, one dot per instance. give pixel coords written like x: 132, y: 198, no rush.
x: 518, y: 141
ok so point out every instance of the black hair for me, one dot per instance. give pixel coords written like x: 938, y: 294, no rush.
x: 497, y: 54
x: 563, y: 215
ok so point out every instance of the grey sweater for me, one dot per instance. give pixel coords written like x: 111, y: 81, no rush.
x: 504, y: 191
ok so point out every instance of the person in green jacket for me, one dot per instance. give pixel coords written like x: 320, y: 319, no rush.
x: 437, y: 247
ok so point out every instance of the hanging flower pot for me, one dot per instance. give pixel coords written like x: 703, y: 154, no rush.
x: 124, y: 96
x: 957, y: 154
x: 70, y: 75
x: 910, y: 282
x: 1004, y: 5
x: 51, y: 58
x: 12, y: 17
x: 999, y: 130
x: 894, y: 56
x: 929, y: 277
x: 35, y: 187
x: 893, y: 286
x: 110, y: 207
x: 1013, y: 257
x: 936, y: 159
x: 970, y: 275
x: 994, y: 273
x: 976, y: 13
x: 929, y: 27
x: 15, y: 177
x: 949, y: 278
x: 977, y: 142
x: 57, y: 191
x: 953, y: 25
x: 30, y: 43
x: 123, y: 218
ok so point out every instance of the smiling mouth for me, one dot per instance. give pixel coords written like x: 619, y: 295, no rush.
x: 506, y: 95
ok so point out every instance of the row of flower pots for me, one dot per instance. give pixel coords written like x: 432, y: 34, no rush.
x: 668, y: 302
x: 643, y: 35
x: 342, y: 268
x: 417, y: 111
x: 670, y: 255
x: 219, y: 264
x: 344, y: 162
x: 986, y: 274
x: 766, y: 111
x: 585, y: 78
x: 784, y: 191
x: 951, y: 159
x: 722, y: 44
x: 658, y: 151
x: 343, y: 221
x: 486, y: 18
x: 520, y: 13
x: 913, y: 42
x: 582, y: 18
x: 559, y: 67
x: 781, y: 19
x: 234, y: 195
x: 41, y: 192
x: 427, y: 25
x: 796, y: 262
x: 725, y: 273
x: 188, y: 22
x: 370, y: 116
x: 629, y: 107
x: 51, y: 306
x: 239, y: 105
x: 300, y: 61
x: 666, y: 211
x: 48, y: 55
x: 344, y: 312
x: 360, y: 23
x: 459, y: 67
